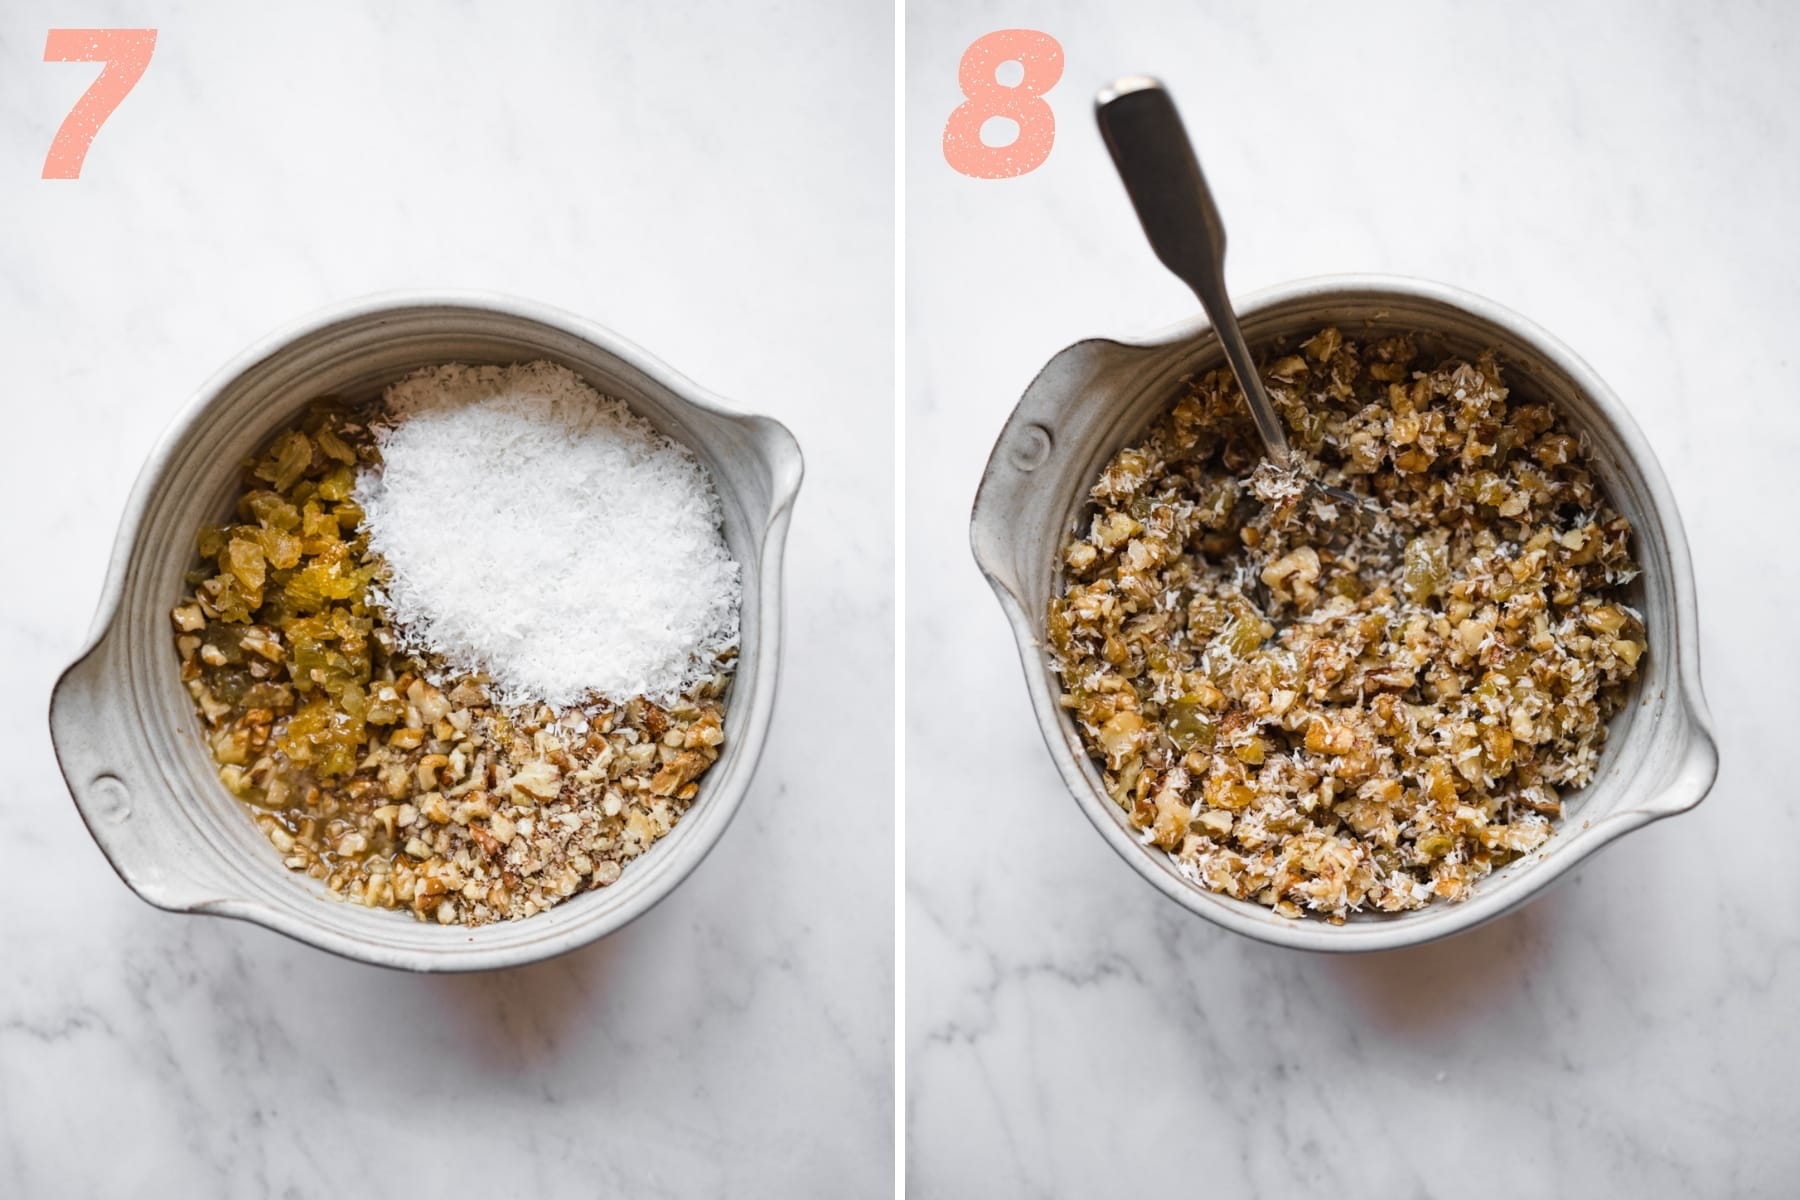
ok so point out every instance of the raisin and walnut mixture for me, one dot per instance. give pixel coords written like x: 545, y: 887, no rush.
x: 1330, y: 716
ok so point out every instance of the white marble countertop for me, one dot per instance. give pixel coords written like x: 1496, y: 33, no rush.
x: 1622, y: 173
x: 670, y: 171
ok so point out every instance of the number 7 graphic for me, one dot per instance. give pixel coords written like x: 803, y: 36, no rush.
x: 126, y: 52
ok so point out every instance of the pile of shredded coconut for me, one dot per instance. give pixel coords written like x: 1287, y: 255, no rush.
x: 547, y: 536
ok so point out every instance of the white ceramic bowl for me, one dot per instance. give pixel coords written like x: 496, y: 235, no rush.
x: 124, y: 727
x: 1098, y: 396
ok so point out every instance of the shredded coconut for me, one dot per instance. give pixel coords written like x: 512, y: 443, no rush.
x: 547, y: 536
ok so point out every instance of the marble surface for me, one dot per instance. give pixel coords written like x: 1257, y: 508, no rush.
x: 1622, y: 173
x: 670, y: 171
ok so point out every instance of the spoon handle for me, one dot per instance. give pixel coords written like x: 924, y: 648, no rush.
x: 1156, y: 161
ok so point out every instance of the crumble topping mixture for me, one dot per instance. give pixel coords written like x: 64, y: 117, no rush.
x: 1325, y: 715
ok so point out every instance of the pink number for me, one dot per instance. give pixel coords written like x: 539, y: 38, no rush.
x: 1042, y: 58
x: 126, y: 52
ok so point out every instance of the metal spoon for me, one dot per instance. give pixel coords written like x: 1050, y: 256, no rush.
x: 1156, y: 161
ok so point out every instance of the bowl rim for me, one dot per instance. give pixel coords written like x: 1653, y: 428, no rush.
x: 1699, y: 756
x: 161, y: 883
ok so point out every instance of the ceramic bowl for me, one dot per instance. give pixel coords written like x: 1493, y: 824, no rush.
x: 125, y: 730
x: 1098, y: 396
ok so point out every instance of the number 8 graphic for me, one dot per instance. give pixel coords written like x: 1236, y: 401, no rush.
x: 1042, y: 57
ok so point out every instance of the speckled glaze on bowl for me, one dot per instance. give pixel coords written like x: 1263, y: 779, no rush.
x: 125, y: 731
x: 1097, y: 396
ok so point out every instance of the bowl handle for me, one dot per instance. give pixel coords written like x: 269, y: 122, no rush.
x: 119, y: 790
x: 1034, y: 450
